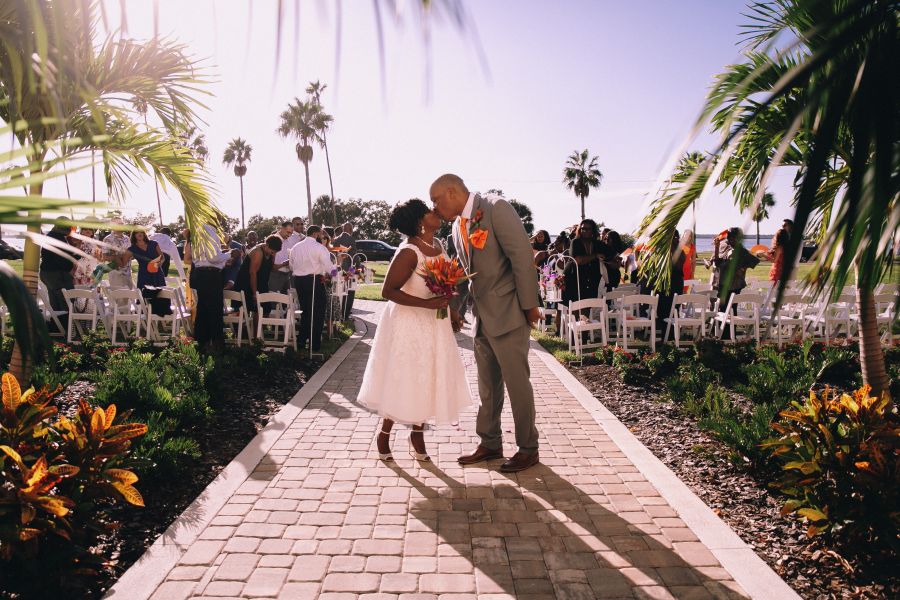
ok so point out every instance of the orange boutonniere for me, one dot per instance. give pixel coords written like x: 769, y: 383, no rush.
x: 478, y: 235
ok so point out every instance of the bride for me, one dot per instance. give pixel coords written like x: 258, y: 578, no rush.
x: 414, y: 373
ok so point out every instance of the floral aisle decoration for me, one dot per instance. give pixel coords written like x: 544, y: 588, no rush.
x: 553, y: 283
x: 441, y: 277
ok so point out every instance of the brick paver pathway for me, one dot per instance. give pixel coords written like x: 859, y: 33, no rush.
x: 320, y: 516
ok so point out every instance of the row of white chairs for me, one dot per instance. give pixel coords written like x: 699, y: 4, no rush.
x: 619, y: 315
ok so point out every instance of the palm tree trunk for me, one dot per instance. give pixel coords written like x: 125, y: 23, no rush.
x: 871, y: 356
x: 243, y: 226
x: 309, y: 213
x: 582, y: 208
x: 757, y: 233
x: 330, y: 183
x: 19, y: 363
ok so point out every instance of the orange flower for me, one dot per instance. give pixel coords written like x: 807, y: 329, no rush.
x: 478, y: 238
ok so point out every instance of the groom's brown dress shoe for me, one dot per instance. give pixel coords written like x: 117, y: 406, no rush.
x: 481, y: 454
x: 520, y: 461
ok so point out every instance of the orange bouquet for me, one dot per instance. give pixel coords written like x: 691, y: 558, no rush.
x: 441, y: 278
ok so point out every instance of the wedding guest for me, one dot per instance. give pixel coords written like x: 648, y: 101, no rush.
x: 586, y: 252
x: 56, y: 268
x: 689, y: 247
x: 311, y: 265
x: 206, y: 278
x: 776, y: 255
x: 347, y: 239
x: 731, y: 264
x: 84, y: 268
x: 280, y: 279
x: 251, y: 240
x: 163, y: 238
x: 563, y: 240
x: 540, y: 244
x: 117, y: 244
x: 149, y: 259
x: 232, y: 267
x: 612, y: 258
x: 253, y: 277
x: 676, y: 282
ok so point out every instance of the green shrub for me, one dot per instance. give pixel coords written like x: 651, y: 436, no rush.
x: 6, y: 348
x: 691, y: 382
x: 664, y: 362
x: 779, y: 377
x: 169, y: 393
x: 631, y: 368
x: 604, y: 355
x: 840, y: 461
x: 58, y: 480
x: 745, y: 434
x: 716, y: 355
x: 713, y: 403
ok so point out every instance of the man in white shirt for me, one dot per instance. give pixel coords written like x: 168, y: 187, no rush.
x: 206, y: 278
x: 163, y: 237
x: 311, y: 265
x: 280, y: 278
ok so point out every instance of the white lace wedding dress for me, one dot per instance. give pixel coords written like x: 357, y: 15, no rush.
x: 415, y: 373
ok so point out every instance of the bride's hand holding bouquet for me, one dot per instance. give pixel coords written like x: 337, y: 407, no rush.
x: 441, y: 278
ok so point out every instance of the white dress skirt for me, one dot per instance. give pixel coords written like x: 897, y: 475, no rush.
x: 415, y: 373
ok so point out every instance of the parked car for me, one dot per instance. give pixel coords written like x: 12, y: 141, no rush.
x: 7, y: 252
x: 808, y: 250
x: 375, y: 249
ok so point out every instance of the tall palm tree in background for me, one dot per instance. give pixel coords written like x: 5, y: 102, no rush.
x: 581, y: 174
x: 761, y: 212
x: 304, y: 121
x: 817, y: 90
x: 141, y: 107
x: 315, y: 89
x: 69, y: 96
x: 237, y: 153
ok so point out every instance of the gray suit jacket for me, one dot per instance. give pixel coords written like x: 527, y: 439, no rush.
x: 505, y: 282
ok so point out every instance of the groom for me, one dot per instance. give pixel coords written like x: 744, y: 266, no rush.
x: 492, y: 244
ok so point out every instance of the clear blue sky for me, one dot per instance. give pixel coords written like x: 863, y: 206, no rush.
x: 623, y: 79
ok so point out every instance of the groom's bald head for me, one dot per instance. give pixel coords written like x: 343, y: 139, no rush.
x: 449, y: 195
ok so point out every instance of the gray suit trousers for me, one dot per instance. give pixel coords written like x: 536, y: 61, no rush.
x: 504, y: 359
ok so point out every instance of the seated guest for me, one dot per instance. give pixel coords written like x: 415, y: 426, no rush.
x: 149, y: 258
x: 311, y: 265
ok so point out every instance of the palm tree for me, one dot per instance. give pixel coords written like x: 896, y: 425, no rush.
x: 71, y: 99
x: 761, y: 213
x: 237, y: 153
x: 581, y: 175
x: 140, y: 106
x: 304, y: 121
x: 315, y: 89
x: 825, y: 104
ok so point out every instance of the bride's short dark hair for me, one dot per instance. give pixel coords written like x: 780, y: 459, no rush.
x: 406, y: 216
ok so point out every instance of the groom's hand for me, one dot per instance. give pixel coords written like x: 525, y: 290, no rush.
x: 456, y: 320
x: 533, y: 315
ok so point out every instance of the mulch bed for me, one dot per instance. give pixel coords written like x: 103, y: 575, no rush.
x: 808, y: 566
x: 246, y: 407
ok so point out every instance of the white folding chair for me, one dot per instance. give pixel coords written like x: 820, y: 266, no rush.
x: 297, y: 311
x: 829, y: 319
x: 50, y: 315
x: 742, y: 311
x: 613, y: 298
x: 638, y: 312
x: 689, y: 285
x: 789, y: 321
x: 885, y: 315
x: 79, y: 317
x: 888, y: 288
x: 688, y: 312
x: 238, y: 319
x: 162, y: 328
x: 582, y: 327
x: 280, y: 319
x: 127, y: 308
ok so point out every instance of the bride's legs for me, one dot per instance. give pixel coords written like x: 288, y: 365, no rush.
x: 383, y: 440
x: 417, y: 441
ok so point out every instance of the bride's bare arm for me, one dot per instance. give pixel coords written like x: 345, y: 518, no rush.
x: 404, y: 267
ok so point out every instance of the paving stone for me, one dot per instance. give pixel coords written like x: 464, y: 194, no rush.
x: 265, y: 581
x: 351, y: 582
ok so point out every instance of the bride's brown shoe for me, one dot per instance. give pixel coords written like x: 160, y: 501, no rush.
x: 481, y: 454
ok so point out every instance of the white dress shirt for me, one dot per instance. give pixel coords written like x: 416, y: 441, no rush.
x: 309, y: 257
x: 469, y: 207
x: 210, y: 257
x: 285, y: 253
x: 168, y: 247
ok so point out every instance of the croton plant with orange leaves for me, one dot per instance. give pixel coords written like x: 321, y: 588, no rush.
x: 59, y: 474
